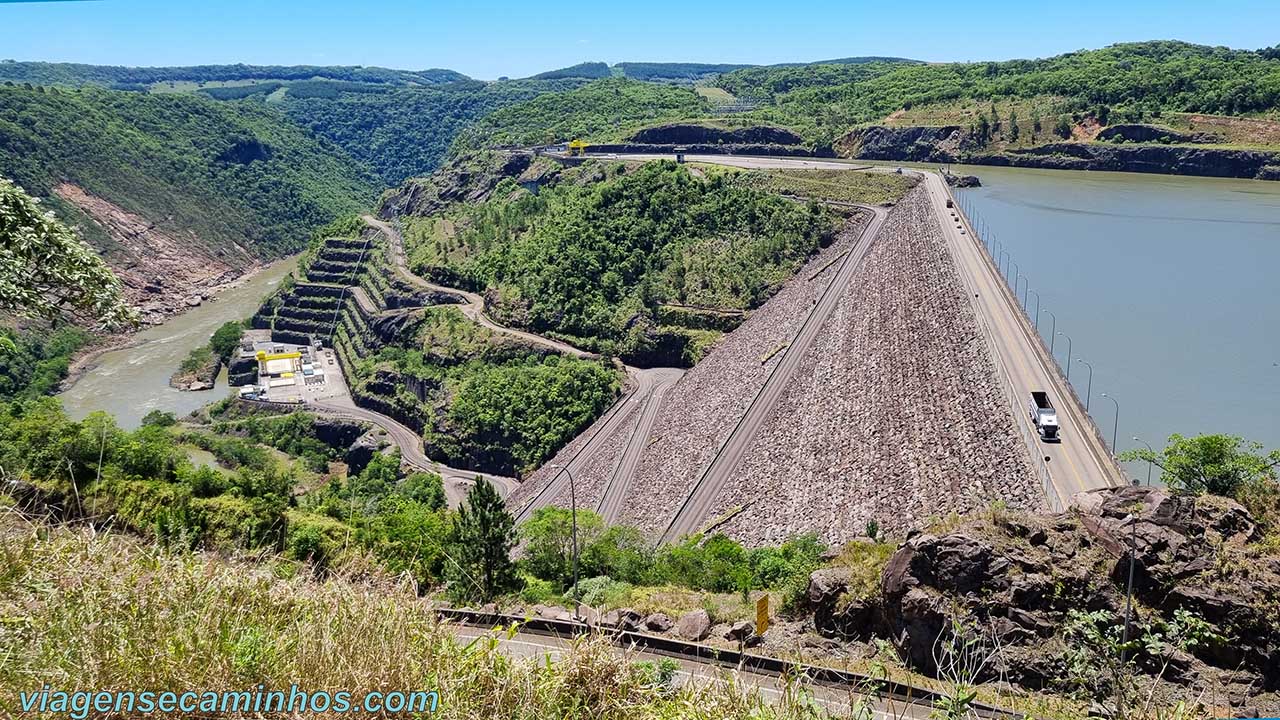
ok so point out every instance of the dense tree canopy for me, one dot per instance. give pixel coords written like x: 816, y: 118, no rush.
x: 46, y: 270
x: 826, y: 100
x: 229, y: 172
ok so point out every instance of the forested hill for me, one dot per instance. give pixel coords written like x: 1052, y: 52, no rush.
x: 1137, y: 80
x: 74, y: 74
x: 231, y: 173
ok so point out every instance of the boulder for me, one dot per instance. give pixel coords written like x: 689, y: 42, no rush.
x: 657, y: 622
x: 695, y: 625
x: 550, y: 613
x: 739, y: 631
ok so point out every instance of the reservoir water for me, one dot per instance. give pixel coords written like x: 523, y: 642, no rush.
x: 130, y: 382
x: 1167, y: 285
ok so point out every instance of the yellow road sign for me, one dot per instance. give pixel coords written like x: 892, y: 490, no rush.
x: 762, y: 614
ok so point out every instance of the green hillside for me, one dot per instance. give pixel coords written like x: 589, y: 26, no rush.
x: 599, y: 249
x: 405, y: 132
x: 75, y: 74
x: 601, y: 110
x: 1134, y: 80
x: 238, y: 173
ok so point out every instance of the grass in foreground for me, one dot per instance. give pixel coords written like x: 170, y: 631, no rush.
x: 86, y: 611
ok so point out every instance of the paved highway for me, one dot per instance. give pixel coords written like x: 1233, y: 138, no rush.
x: 837, y: 701
x: 1080, y: 462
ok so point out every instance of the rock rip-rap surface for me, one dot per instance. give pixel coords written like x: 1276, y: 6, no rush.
x: 700, y: 411
x: 895, y: 414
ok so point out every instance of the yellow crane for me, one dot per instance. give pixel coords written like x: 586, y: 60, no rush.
x: 577, y: 147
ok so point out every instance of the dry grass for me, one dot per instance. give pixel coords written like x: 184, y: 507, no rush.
x: 86, y: 611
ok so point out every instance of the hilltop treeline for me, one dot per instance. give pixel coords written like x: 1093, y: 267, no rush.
x: 45, y: 73
x: 598, y: 110
x: 1149, y: 77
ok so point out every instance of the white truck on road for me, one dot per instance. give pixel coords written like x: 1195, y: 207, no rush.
x: 1044, y: 416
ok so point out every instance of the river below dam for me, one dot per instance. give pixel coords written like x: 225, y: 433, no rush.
x: 1166, y: 285
x: 132, y: 381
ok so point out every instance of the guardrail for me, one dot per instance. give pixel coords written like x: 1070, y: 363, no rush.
x: 1029, y: 328
x: 877, y: 687
x: 1030, y: 435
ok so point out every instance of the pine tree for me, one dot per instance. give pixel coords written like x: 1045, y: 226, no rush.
x: 484, y: 535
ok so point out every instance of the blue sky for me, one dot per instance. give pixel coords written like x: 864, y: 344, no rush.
x: 489, y: 39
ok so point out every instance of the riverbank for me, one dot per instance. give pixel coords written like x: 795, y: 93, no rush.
x: 952, y: 144
x: 128, y: 375
x: 86, y: 358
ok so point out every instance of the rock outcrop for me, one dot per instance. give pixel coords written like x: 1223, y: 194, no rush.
x: 1020, y: 578
x: 953, y: 144
x: 694, y: 134
x: 1140, y: 133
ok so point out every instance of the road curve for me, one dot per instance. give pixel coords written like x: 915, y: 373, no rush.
x: 474, y: 307
x: 456, y: 482
x: 646, y: 382
x: 699, y: 501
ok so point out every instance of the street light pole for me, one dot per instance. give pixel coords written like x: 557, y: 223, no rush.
x: 1149, y: 462
x: 1068, y: 337
x: 1053, y: 329
x: 1088, y: 393
x: 1000, y: 263
x: 1037, y: 316
x: 1133, y: 550
x: 1017, y: 279
x: 573, y: 514
x: 1116, y: 426
x: 1013, y: 267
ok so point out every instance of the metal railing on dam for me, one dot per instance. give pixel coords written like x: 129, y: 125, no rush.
x: 1106, y: 458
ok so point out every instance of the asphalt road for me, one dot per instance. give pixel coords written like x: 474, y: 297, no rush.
x: 1078, y: 463
x: 837, y: 701
x: 698, y: 503
x: 649, y: 386
x: 456, y: 482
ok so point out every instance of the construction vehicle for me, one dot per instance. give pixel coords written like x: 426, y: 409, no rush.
x: 577, y: 147
x: 1044, y: 416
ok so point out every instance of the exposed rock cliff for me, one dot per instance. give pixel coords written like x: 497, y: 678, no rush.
x: 1021, y: 577
x: 952, y: 144
x: 693, y: 133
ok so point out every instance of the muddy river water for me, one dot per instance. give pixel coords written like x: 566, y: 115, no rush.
x: 130, y: 382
